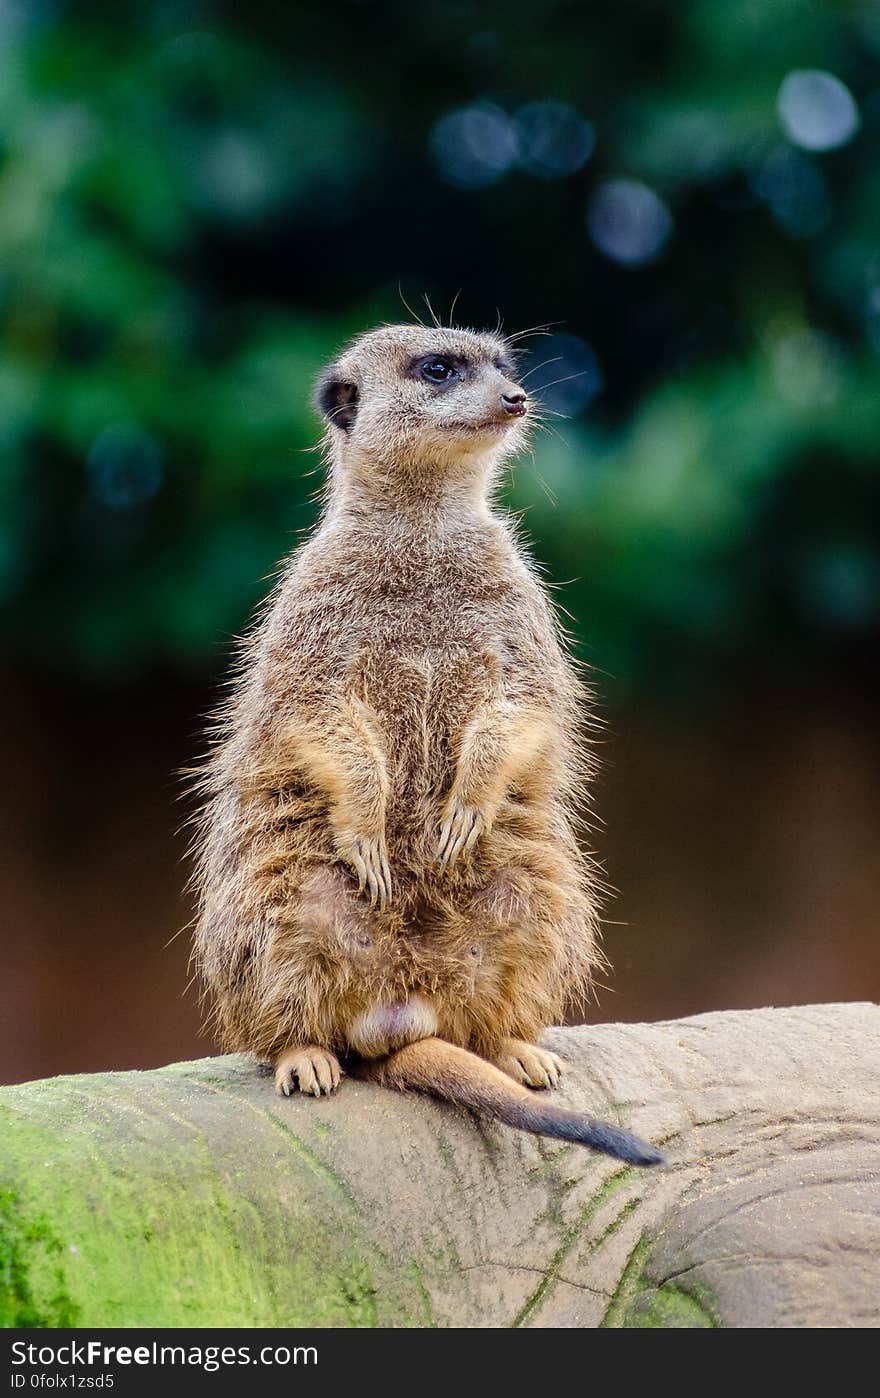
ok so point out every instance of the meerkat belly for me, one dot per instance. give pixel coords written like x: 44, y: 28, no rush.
x: 422, y: 697
x: 453, y: 983
x: 431, y: 964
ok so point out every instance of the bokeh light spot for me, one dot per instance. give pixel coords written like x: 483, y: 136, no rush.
x: 475, y: 146
x: 817, y: 110
x: 554, y: 140
x: 234, y: 176
x: 795, y: 191
x: 567, y: 376
x: 628, y: 221
x: 125, y: 466
x: 806, y: 368
x: 840, y: 583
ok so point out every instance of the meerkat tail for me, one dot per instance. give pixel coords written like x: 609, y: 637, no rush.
x: 444, y: 1070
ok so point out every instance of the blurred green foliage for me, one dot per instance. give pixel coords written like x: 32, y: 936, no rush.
x: 199, y: 204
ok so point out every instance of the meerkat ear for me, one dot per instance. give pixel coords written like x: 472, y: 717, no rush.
x: 336, y: 398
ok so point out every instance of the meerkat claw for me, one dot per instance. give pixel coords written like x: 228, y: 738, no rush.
x: 369, y: 860
x: 459, y: 833
x: 311, y: 1070
x: 528, y: 1064
x: 360, y: 869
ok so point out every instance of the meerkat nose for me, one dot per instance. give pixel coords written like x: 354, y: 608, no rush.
x: 514, y: 403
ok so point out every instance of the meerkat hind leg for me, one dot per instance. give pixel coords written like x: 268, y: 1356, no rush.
x: 528, y: 1064
x: 307, y: 1068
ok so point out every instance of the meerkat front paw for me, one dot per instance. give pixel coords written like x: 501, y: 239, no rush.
x: 368, y: 857
x: 460, y: 829
x: 307, y: 1069
x: 526, y: 1063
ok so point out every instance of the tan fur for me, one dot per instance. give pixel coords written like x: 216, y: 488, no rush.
x: 388, y: 846
x: 444, y: 1070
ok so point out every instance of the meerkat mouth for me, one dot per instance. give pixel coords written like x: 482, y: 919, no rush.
x: 499, y: 425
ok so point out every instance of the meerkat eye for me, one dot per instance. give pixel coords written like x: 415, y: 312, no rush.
x: 438, y: 370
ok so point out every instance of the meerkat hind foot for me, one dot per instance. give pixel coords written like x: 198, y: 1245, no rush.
x: 528, y: 1064
x: 308, y: 1069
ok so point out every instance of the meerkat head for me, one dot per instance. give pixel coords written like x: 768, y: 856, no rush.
x: 419, y: 403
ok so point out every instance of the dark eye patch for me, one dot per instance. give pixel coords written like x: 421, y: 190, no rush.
x: 438, y: 369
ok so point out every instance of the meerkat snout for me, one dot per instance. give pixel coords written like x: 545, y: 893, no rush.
x: 514, y: 403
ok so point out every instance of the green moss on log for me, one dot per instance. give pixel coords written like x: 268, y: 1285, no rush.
x: 122, y: 1206
x: 669, y: 1307
x: 33, y: 1285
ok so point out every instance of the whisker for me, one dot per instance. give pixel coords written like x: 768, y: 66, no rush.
x: 547, y: 427
x: 416, y: 318
x: 579, y: 375
x: 544, y: 329
x: 431, y: 312
x: 539, y: 409
x: 543, y: 365
x: 548, y: 491
x: 532, y: 466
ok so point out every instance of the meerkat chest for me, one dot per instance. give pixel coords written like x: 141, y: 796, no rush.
x: 417, y: 619
x: 439, y: 593
x: 399, y: 589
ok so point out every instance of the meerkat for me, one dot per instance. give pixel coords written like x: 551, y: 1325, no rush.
x: 388, y: 868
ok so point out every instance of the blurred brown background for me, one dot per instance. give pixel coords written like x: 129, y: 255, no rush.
x: 747, y: 855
